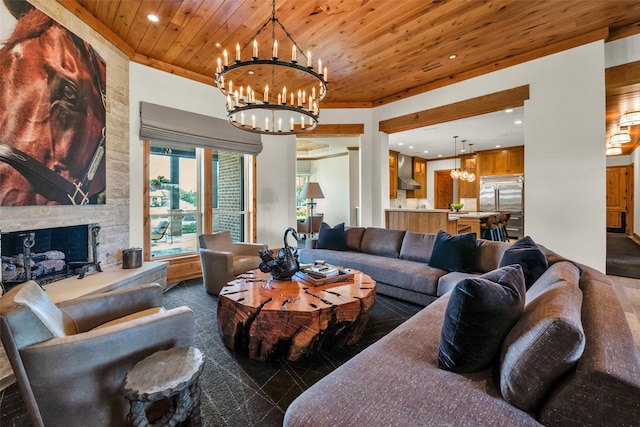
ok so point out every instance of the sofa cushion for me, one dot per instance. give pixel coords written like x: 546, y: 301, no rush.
x: 451, y: 279
x: 547, y: 340
x: 526, y: 253
x: 417, y: 246
x: 454, y: 253
x: 354, y: 238
x: 488, y: 254
x: 480, y: 313
x: 332, y: 238
x: 382, y: 241
x: 217, y: 241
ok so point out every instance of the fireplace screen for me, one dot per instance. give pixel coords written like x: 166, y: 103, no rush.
x: 50, y: 254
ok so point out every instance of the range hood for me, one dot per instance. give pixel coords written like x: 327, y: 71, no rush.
x: 405, y: 173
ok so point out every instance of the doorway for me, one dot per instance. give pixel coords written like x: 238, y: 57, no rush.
x: 443, y: 189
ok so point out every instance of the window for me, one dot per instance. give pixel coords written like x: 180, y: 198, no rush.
x: 176, y: 214
x: 301, y: 204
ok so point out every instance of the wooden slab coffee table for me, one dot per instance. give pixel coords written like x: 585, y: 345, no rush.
x: 268, y: 318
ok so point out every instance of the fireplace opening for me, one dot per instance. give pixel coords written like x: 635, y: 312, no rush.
x: 50, y: 254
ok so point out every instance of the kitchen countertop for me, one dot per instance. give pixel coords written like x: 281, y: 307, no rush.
x: 458, y: 215
x: 416, y: 210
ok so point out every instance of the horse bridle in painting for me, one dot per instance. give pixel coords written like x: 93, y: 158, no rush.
x: 47, y: 182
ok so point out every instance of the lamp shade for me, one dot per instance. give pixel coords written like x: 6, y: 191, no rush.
x: 311, y: 190
x: 619, y: 138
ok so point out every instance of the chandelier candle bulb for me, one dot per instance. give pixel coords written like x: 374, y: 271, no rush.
x: 229, y: 107
x: 291, y: 124
x: 266, y: 123
x: 309, y: 59
x: 284, y: 94
x: 237, y: 52
x: 242, y: 92
x: 253, y: 122
x: 279, y: 98
x: 299, y: 99
x: 293, y: 99
x: 237, y: 100
x: 294, y: 54
x: 325, y: 75
x: 225, y: 55
x: 233, y: 118
x: 310, y: 102
x: 302, y: 121
x: 242, y: 118
x: 279, y: 125
x: 319, y: 66
x: 266, y: 94
x: 255, y: 48
x: 221, y: 82
x: 230, y: 86
x: 275, y: 49
x: 313, y: 93
x: 219, y: 66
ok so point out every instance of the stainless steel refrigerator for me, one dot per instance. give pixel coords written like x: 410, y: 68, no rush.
x: 504, y: 193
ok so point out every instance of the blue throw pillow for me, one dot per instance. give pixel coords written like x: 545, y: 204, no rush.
x: 454, y: 253
x: 480, y: 313
x: 332, y: 238
x: 526, y: 253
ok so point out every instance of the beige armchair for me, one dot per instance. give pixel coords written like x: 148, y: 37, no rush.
x: 222, y: 259
x: 304, y: 226
x: 70, y: 359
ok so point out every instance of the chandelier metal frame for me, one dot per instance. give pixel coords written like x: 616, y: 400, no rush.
x: 237, y: 104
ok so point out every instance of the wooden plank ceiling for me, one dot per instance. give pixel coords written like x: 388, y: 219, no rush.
x: 377, y: 51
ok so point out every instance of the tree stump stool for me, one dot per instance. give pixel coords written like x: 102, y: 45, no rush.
x: 268, y: 318
x: 172, y: 374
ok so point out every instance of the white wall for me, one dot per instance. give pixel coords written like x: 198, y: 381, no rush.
x: 276, y: 189
x: 333, y: 176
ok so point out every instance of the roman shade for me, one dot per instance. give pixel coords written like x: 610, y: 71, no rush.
x: 160, y: 123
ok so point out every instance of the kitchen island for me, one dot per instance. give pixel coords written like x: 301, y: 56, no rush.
x: 432, y: 220
x: 471, y: 220
x: 421, y: 220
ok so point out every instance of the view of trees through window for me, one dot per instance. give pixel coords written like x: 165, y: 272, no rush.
x: 173, y: 207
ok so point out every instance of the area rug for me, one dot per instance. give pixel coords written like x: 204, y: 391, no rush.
x: 623, y: 256
x: 237, y: 391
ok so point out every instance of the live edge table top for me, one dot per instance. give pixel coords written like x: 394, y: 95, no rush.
x: 268, y: 318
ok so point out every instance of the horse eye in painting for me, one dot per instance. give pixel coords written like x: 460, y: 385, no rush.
x: 70, y: 93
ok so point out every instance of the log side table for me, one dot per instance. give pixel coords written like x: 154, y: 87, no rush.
x: 169, y: 374
x: 268, y: 318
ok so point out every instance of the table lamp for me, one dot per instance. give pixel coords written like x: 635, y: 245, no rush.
x: 311, y: 190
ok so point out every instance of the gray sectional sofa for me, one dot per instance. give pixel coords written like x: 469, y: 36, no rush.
x: 399, y: 261
x: 569, y: 360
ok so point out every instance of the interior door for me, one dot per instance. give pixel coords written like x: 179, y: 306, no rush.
x: 443, y: 188
x: 620, y: 199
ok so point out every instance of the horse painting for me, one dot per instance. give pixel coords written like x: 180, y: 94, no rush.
x: 52, y: 114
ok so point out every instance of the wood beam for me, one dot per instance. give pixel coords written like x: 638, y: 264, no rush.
x: 336, y: 130
x: 509, y: 98
x: 622, y: 75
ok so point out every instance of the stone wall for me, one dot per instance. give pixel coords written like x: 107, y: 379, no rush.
x: 230, y: 194
x: 113, y: 217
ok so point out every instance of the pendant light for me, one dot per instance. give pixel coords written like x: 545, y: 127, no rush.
x: 455, y: 172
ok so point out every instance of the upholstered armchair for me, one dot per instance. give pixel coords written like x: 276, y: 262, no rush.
x: 70, y: 359
x: 304, y: 226
x: 222, y: 259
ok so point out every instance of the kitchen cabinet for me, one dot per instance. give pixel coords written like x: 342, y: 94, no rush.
x: 393, y: 174
x: 499, y: 162
x: 469, y: 189
x: 419, y: 167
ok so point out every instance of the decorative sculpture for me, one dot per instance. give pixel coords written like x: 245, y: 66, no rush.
x: 286, y: 265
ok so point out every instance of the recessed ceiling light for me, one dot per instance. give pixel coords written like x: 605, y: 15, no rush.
x: 153, y: 18
x: 411, y: 147
x: 400, y: 143
x: 425, y: 151
x: 518, y: 122
x: 439, y: 155
x: 218, y: 45
x: 454, y: 56
x: 509, y: 110
x: 498, y: 146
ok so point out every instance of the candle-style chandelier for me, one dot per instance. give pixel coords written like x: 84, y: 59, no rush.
x: 272, y: 96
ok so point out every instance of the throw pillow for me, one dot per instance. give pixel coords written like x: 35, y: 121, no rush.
x: 454, y: 253
x: 480, y: 313
x: 547, y: 340
x: 526, y: 253
x: 332, y: 238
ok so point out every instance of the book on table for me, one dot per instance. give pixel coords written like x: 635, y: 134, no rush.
x: 322, y: 271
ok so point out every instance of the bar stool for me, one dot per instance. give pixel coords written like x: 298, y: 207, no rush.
x: 489, y: 229
x: 504, y: 220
